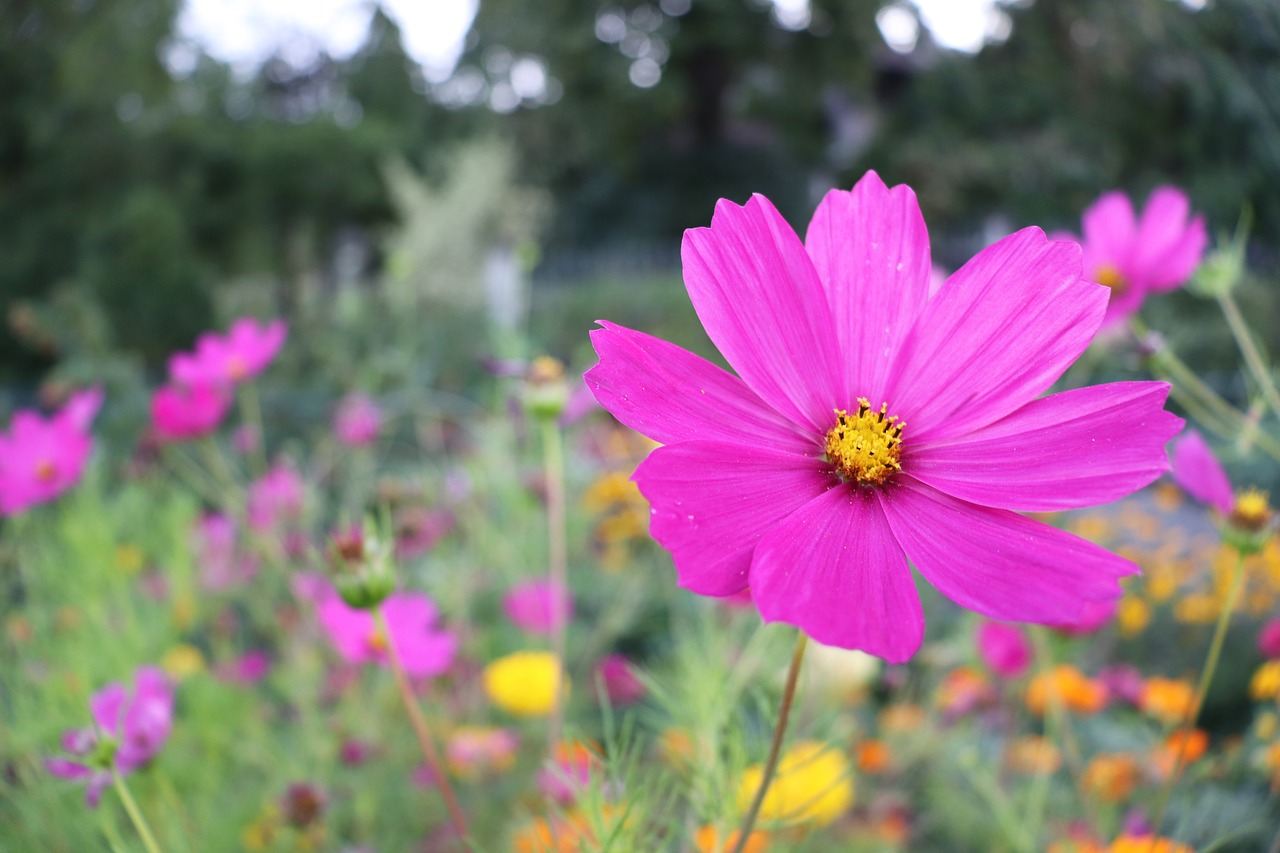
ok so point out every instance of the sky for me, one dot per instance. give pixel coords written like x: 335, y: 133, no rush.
x: 245, y: 32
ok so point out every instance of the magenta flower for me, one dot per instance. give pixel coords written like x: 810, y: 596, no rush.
x: 357, y: 421
x: 424, y: 650
x: 1136, y: 256
x: 621, y: 684
x: 538, y: 606
x: 244, y: 352
x: 869, y: 423
x: 128, y: 732
x: 1004, y: 648
x: 181, y: 412
x: 40, y: 458
x: 1269, y: 640
x: 222, y: 563
x: 1199, y: 473
x: 275, y: 498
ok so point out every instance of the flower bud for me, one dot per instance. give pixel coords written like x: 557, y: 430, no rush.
x: 1251, y: 523
x: 545, y: 391
x: 362, y: 564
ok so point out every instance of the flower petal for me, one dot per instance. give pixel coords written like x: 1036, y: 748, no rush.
x: 1078, y: 448
x: 999, y: 563
x: 1168, y: 247
x: 1109, y: 229
x: 834, y: 569
x: 712, y: 501
x: 762, y: 304
x: 669, y: 394
x: 998, y: 334
x: 106, y: 706
x: 871, y: 250
x: 1199, y: 473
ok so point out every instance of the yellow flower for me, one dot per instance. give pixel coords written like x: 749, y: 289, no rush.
x: 1034, y: 754
x: 1266, y: 681
x: 182, y: 660
x: 1133, y: 616
x: 1198, y: 609
x: 812, y: 785
x: 1147, y: 844
x: 524, y: 683
x: 129, y: 559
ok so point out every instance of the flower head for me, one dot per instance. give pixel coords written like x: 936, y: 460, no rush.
x: 1004, y: 648
x: 183, y: 412
x: 128, y: 731
x: 813, y: 785
x: 1247, y: 514
x: 275, y: 497
x: 40, y: 458
x: 474, y: 751
x: 423, y: 649
x: 222, y: 360
x: 1134, y: 256
x: 538, y: 606
x: 357, y: 420
x: 870, y: 423
x: 524, y: 683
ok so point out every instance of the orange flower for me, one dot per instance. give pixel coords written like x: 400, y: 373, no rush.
x: 707, y: 840
x: 1034, y: 754
x: 568, y: 833
x: 962, y: 690
x: 902, y: 717
x: 1147, y: 844
x: 873, y: 756
x: 1266, y: 682
x: 1074, y: 690
x: 1179, y: 749
x: 1110, y: 778
x: 1169, y: 700
x: 676, y: 747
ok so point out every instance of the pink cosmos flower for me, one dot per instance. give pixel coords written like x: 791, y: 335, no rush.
x: 128, y: 732
x: 40, y: 458
x: 357, y: 421
x: 181, y: 412
x: 275, y: 498
x: 1136, y: 256
x: 869, y: 423
x: 1199, y: 473
x: 1269, y: 640
x: 411, y: 616
x: 249, y: 668
x: 1004, y: 648
x: 620, y: 682
x: 538, y: 606
x: 221, y: 562
x: 243, y: 353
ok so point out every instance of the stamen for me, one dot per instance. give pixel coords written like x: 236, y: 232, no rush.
x: 1252, y: 511
x: 1108, y: 276
x: 46, y: 471
x: 865, y: 447
x: 377, y: 641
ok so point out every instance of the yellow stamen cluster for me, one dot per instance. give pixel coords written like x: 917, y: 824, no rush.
x: 865, y: 447
x: 46, y: 471
x: 1109, y: 276
x: 1252, y: 512
x: 377, y: 640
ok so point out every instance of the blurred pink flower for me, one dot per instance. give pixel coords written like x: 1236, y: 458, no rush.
x: 620, y: 682
x: 870, y: 425
x: 1269, y: 640
x: 424, y: 650
x: 40, y: 458
x: 1137, y: 256
x: 1003, y: 648
x: 128, y: 732
x: 570, y: 773
x: 418, y: 529
x: 1199, y: 473
x: 249, y: 668
x: 244, y: 352
x: 220, y: 561
x: 357, y: 421
x: 1123, y: 682
x: 246, y: 439
x: 182, y: 412
x: 473, y: 751
x: 538, y: 606
x: 275, y: 499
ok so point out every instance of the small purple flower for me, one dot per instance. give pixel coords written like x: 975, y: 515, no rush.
x: 424, y: 649
x: 128, y: 731
x: 620, y: 681
x: 275, y: 498
x: 538, y: 606
x: 357, y: 421
x: 1269, y: 640
x: 1004, y: 648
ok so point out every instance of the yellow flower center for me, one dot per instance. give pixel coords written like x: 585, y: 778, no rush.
x: 46, y: 471
x: 377, y: 640
x: 866, y: 446
x: 237, y: 369
x: 1109, y: 276
x: 1252, y: 512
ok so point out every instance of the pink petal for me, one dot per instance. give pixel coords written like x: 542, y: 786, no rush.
x: 1109, y: 231
x: 1078, y: 448
x: 349, y: 629
x: 406, y: 609
x: 712, y: 501
x: 425, y: 653
x: 833, y: 569
x: 999, y: 333
x: 1199, y: 473
x: 1168, y: 247
x: 997, y: 562
x: 64, y: 769
x: 871, y: 250
x: 762, y: 304
x: 670, y: 394
x: 106, y: 705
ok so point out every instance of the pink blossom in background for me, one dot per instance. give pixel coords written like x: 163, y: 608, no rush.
x: 40, y: 458
x: 570, y: 773
x: 411, y: 616
x: 581, y: 403
x: 357, y: 421
x: 219, y: 559
x: 538, y: 606
x: 1093, y: 617
x: 1269, y: 640
x: 311, y: 586
x: 1135, y: 256
x: 620, y: 682
x: 1123, y: 682
x: 1199, y: 473
x: 246, y: 439
x: 223, y: 360
x: 275, y: 499
x: 1003, y: 648
x: 249, y: 668
x: 473, y: 751
x: 418, y: 529
x: 181, y: 412
x: 138, y: 724
x: 766, y: 479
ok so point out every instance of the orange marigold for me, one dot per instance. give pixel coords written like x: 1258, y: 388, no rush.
x: 1147, y: 844
x: 707, y: 840
x: 1111, y: 777
x: 1074, y: 690
x: 1169, y: 700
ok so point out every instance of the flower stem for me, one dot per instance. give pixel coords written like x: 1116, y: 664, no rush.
x: 1202, y: 689
x: 775, y: 748
x: 1248, y: 349
x: 558, y: 559
x: 135, y: 815
x: 251, y: 416
x: 420, y: 728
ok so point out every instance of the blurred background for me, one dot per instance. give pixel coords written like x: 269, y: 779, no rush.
x: 369, y: 170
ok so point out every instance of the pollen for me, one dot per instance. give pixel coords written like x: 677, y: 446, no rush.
x: 237, y: 370
x: 46, y: 471
x: 1108, y: 276
x: 377, y: 641
x: 866, y: 447
x: 1251, y: 512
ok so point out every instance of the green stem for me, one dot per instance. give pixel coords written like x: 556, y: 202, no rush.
x: 1059, y: 719
x: 775, y: 748
x: 1248, y: 349
x: 1015, y: 832
x: 558, y: 558
x: 139, y: 823
x: 1202, y: 689
x: 251, y: 417
x: 422, y: 730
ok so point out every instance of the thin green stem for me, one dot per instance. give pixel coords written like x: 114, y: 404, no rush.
x: 1202, y: 689
x: 1249, y: 349
x: 135, y: 815
x: 558, y: 558
x: 1019, y: 835
x: 251, y: 417
x: 422, y: 730
x: 1059, y: 719
x: 775, y: 748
